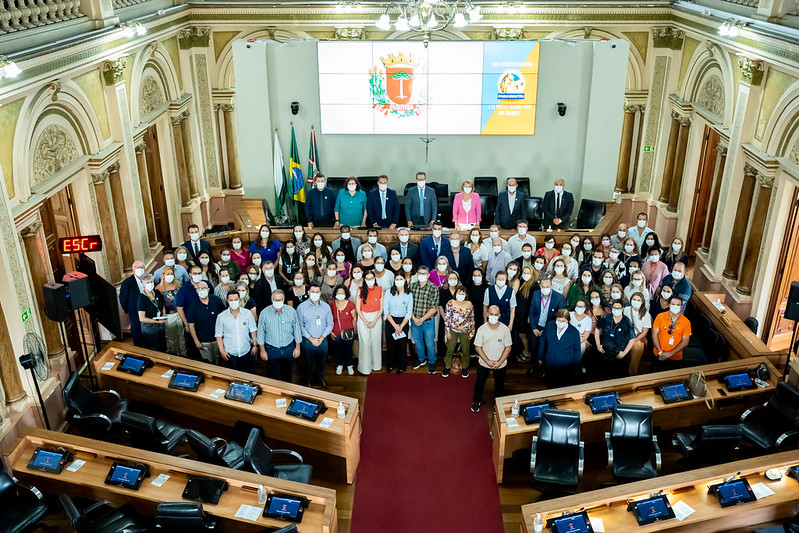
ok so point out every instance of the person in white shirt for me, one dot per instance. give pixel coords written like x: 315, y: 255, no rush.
x: 494, y: 234
x: 515, y: 243
x: 235, y: 334
x: 642, y: 322
x: 493, y: 343
x: 641, y: 230
x: 379, y: 249
x: 583, y: 322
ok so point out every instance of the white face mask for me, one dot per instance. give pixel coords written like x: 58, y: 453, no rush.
x: 617, y: 312
x: 635, y: 304
x: 436, y: 233
x: 345, y: 236
x: 575, y: 244
x: 558, y: 188
x: 665, y: 295
x: 527, y: 255
x: 559, y: 270
x: 298, y: 235
x: 650, y: 242
x: 320, y: 185
x: 511, y: 189
x: 257, y: 261
x: 237, y: 246
x: 549, y: 245
x: 677, y: 275
x: 226, y: 258
x: 289, y: 251
x: 474, y: 238
x: 608, y: 281
x: 467, y: 190
x: 298, y: 282
x: 380, y: 267
x: 477, y: 280
x: 622, y: 234
x: 269, y: 273
x: 676, y: 247
x: 196, y: 278
x: 403, y: 239
x: 493, y: 234
x: 460, y: 297
x: 441, y: 268
x: 421, y: 277
x: 566, y: 252
x: 654, y: 258
x: 455, y: 243
x: 452, y: 282
x: 629, y: 248
x: 224, y: 279
x: 633, y: 269
x: 642, y: 224
x: 340, y: 258
x: 149, y: 286
x: 367, y: 255
x: 614, y: 255
x: 615, y: 295
x: 526, y: 277
x: 169, y: 278
x: 522, y: 231
x: 500, y: 283
x: 399, y: 283
x: 560, y: 324
x: 314, y: 296
x: 395, y: 257
x: 372, y: 240
x: 579, y: 310
x: 202, y: 293
x: 512, y: 273
x: 357, y: 275
x: 252, y: 276
x: 595, y: 301
x: 420, y: 184
x: 277, y: 305
x: 340, y: 297
x: 264, y: 234
x: 587, y: 279
x: 138, y: 272
x: 497, y: 249
x: 675, y: 309
x: 596, y: 261
x: 493, y: 319
x: 194, y: 237
x: 317, y: 243
x: 204, y: 260
x: 587, y: 246
x: 408, y: 268
x: 242, y: 294
x: 636, y: 283
x: 546, y: 291
x: 233, y: 305
x: 351, y: 187
x: 382, y: 186
x: 331, y: 273
x: 606, y: 242
x: 169, y: 262
x: 538, y: 266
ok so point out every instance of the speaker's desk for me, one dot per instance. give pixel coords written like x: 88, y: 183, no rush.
x: 610, y: 505
x: 634, y: 390
x: 342, y: 438
x: 89, y: 482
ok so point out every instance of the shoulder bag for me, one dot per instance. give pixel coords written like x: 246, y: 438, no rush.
x: 698, y: 387
x: 346, y: 334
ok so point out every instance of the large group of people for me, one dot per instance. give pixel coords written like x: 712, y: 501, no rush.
x: 573, y: 310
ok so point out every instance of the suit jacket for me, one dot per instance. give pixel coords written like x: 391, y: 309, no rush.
x: 564, y: 212
x: 262, y: 292
x: 413, y: 251
x: 374, y: 210
x: 205, y: 246
x: 504, y: 217
x: 412, y: 206
x: 356, y: 243
x: 319, y: 206
x: 427, y: 250
x: 466, y: 265
x: 129, y: 297
x: 556, y: 301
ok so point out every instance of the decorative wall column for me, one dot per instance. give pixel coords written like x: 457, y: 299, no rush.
x: 110, y: 240
x: 144, y: 181
x: 119, y: 201
x: 628, y: 126
x: 9, y: 373
x: 188, y: 155
x: 679, y: 163
x: 671, y: 151
x: 714, y: 198
x: 740, y: 224
x: 757, y: 226
x: 35, y: 248
x: 233, y: 171
x: 180, y: 157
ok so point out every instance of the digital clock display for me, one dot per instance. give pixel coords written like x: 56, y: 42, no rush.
x: 76, y: 245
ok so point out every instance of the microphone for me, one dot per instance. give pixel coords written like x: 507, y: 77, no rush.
x: 731, y: 478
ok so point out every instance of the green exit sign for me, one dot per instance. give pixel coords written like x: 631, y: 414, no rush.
x: 27, y: 314
x: 649, y: 148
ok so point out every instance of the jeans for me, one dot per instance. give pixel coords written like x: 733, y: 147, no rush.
x: 244, y: 363
x: 280, y: 362
x: 425, y: 338
x: 153, y: 336
x: 452, y: 343
x: 482, y: 377
x: 314, y: 357
x: 395, y: 349
x: 343, y: 351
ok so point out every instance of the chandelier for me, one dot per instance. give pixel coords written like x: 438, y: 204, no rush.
x: 426, y: 16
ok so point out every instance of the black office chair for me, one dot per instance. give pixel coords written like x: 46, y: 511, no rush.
x: 442, y: 191
x: 522, y: 185
x: 186, y: 517
x: 632, y: 443
x: 590, y: 213
x: 367, y: 183
x: 100, y: 517
x: 258, y: 458
x: 335, y: 184
x: 775, y: 424
x: 752, y: 323
x: 488, y: 205
x: 150, y: 434
x: 712, y: 445
x: 486, y: 185
x: 535, y: 212
x: 95, y: 413
x: 408, y: 187
x: 22, y: 506
x: 216, y: 451
x: 557, y: 453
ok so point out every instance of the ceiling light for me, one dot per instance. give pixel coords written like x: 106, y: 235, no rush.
x: 384, y: 23
x: 459, y: 21
x: 402, y: 24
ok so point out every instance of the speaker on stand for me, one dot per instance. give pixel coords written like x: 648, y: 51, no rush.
x: 791, y: 313
x: 56, y: 309
x: 78, y: 297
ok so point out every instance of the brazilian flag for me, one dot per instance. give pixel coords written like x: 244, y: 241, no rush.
x: 295, y: 172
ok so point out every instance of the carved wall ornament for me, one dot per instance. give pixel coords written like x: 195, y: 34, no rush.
x: 31, y: 230
x: 722, y: 150
x: 350, y: 34
x: 508, y: 33
x: 177, y: 119
x: 749, y: 170
x: 587, y: 32
x: 751, y: 70
x: 711, y: 95
x: 54, y: 150
x: 98, y: 178
x: 55, y: 88
x: 765, y: 182
x: 151, y: 96
x: 793, y: 155
x: 194, y: 37
x: 631, y: 108
x: 139, y: 148
x: 226, y: 108
x: 114, y: 71
x: 675, y: 115
x: 667, y: 37
x: 684, y: 121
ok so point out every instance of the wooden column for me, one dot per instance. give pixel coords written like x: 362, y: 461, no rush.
x: 36, y: 250
x: 671, y: 149
x: 714, y: 199
x: 146, y: 196
x: 234, y: 174
x: 9, y: 371
x: 188, y: 155
x: 110, y: 240
x: 741, y: 223
x: 637, y: 152
x: 626, y: 147
x: 752, y: 254
x: 679, y: 163
x: 180, y: 157
x: 121, y: 216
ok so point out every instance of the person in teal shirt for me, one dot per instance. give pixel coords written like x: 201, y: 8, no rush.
x: 350, y: 207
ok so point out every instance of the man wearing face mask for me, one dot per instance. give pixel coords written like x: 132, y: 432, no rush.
x: 515, y: 242
x: 433, y: 246
x: 497, y: 260
x: 617, y: 240
x: 597, y: 266
x: 378, y: 249
x: 511, y: 207
x: 169, y: 260
x: 235, y: 332
x: 671, y: 332
x: 423, y: 325
x: 265, y: 286
x: 614, y: 336
x: 493, y: 343
x: 526, y: 257
x: 347, y: 244
x: 680, y: 286
x: 320, y: 203
x: 382, y: 205
x: 558, y: 206
x: 501, y: 296
x: 559, y: 353
x: 195, y: 245
x: 201, y: 317
x: 543, y: 305
x: 405, y: 247
x: 421, y: 205
x: 279, y: 337
x: 459, y: 257
x: 493, y: 233
x: 641, y: 230
x: 316, y: 323
x: 129, y: 292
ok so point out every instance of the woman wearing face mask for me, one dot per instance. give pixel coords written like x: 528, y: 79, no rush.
x: 514, y: 278
x: 253, y: 273
x: 367, y: 262
x: 560, y: 281
x: 576, y: 240
x: 408, y: 271
x: 345, y: 324
x: 245, y: 301
x: 394, y: 264
x: 290, y: 262
x: 383, y: 277
x: 209, y: 268
x: 479, y: 252
x: 370, y: 330
x: 604, y: 244
x: 397, y: 309
x: 569, y: 262
x: 173, y: 329
x: 548, y: 251
x: 182, y: 258
x: 529, y: 284
x: 238, y: 253
x: 654, y: 270
x: 651, y: 242
x: 343, y: 266
x: 630, y: 251
x: 617, y: 293
x: 438, y: 277
x: 225, y: 260
x: 586, y: 250
x: 320, y: 248
x: 614, y: 337
x: 301, y: 241
x: 675, y: 253
x: 614, y: 263
x: 539, y: 264
x: 298, y: 292
x: 642, y: 322
x: 608, y: 279
x: 595, y: 307
x: 637, y: 284
x: 632, y: 267
x: 355, y: 282
x: 152, y: 315
x: 268, y: 247
x: 582, y: 321
x: 330, y: 281
x: 311, y: 270
x: 477, y: 291
x: 350, y: 208
x: 660, y: 303
x: 581, y: 288
x: 459, y: 328
x: 466, y: 208
x: 256, y: 260
x: 225, y: 284
x: 559, y: 352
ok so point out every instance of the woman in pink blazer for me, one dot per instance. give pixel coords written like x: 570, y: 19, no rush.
x: 466, y: 208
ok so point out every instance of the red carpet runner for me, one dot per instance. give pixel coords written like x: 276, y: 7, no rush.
x: 425, y: 459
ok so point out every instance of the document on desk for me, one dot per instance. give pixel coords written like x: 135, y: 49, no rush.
x: 76, y: 464
x: 248, y: 512
x: 160, y: 480
x: 760, y: 490
x: 168, y: 374
x: 326, y: 422
x: 108, y: 366
x: 597, y: 524
x: 280, y: 402
x: 682, y: 510
x: 217, y: 393
x: 511, y: 422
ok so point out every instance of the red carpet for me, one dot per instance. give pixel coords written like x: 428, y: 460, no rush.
x: 425, y: 459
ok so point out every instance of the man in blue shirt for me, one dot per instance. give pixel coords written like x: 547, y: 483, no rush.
x: 433, y: 246
x: 382, y: 205
x: 680, y: 285
x: 421, y: 205
x: 319, y: 204
x: 279, y: 337
x: 169, y: 260
x: 316, y: 323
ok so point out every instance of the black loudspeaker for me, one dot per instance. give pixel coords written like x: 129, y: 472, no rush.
x: 80, y: 295
x: 55, y: 302
x: 792, y: 309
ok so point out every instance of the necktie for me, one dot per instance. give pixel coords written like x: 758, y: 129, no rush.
x: 383, y: 202
x: 421, y: 202
x: 438, y: 248
x: 196, y: 249
x: 557, y: 202
x: 404, y: 251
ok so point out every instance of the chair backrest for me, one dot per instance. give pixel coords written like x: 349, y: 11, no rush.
x: 488, y: 204
x: 559, y: 428
x: 7, y: 485
x: 73, y: 514
x: 751, y: 323
x: 785, y: 403
x: 591, y: 212
x: 486, y: 185
x: 291, y: 528
x: 257, y: 455
x: 408, y: 187
x: 631, y: 422
x: 335, y: 184
x: 442, y: 190
x: 535, y: 211
x: 201, y: 444
x: 76, y: 397
x: 714, y: 437
x: 139, y: 422
x: 367, y: 183
x: 522, y: 184
x: 183, y: 516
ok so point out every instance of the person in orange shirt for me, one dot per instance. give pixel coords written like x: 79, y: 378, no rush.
x: 671, y: 332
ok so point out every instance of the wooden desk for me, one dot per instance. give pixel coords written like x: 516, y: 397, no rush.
x: 635, y: 390
x: 610, y: 505
x: 342, y: 438
x: 89, y: 482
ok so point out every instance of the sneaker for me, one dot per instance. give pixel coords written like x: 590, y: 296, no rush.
x: 465, y: 373
x: 475, y: 407
x: 339, y: 369
x: 351, y: 370
x: 418, y: 365
x: 431, y: 370
x: 389, y: 370
x: 444, y: 373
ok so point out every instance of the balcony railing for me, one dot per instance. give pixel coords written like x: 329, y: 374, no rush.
x: 17, y: 15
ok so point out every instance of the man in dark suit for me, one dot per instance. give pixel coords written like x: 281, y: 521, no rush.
x: 433, y: 246
x: 195, y: 245
x: 129, y: 292
x: 511, y: 207
x: 266, y: 284
x: 460, y: 258
x: 543, y: 306
x: 558, y: 206
x: 320, y: 203
x: 382, y: 205
x: 405, y: 247
x: 421, y: 205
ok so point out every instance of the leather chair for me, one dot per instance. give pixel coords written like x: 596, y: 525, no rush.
x: 535, y: 212
x: 486, y: 185
x: 216, y: 451
x: 96, y: 413
x: 752, y: 323
x: 442, y: 191
x: 184, y: 517
x: 408, y: 187
x: 712, y: 445
x: 335, y: 184
x: 150, y: 434
x: 367, y: 183
x: 258, y: 458
x: 590, y: 213
x: 100, y: 517
x: 488, y: 205
x: 522, y: 184
x: 632, y: 443
x: 22, y: 506
x: 557, y: 454
x: 775, y: 424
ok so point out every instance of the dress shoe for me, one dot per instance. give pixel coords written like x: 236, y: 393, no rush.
x: 323, y: 383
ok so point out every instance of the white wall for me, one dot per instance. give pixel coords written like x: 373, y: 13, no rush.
x: 582, y: 147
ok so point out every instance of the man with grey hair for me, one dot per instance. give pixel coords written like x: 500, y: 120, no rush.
x: 129, y: 292
x: 543, y: 306
x: 279, y: 337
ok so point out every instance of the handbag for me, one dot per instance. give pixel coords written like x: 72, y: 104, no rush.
x: 698, y: 387
x: 346, y: 334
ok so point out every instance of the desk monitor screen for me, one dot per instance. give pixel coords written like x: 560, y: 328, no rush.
x: 532, y: 411
x: 738, y: 382
x: 677, y: 392
x: 793, y: 471
x: 242, y: 392
x: 133, y: 365
x: 306, y: 409
x: 204, y: 489
x: 734, y: 492
x: 603, y: 403
x: 571, y: 523
x: 285, y: 507
x: 50, y: 461
x: 183, y: 380
x: 652, y: 510
x: 128, y: 476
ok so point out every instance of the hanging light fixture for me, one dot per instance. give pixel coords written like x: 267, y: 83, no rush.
x: 426, y: 16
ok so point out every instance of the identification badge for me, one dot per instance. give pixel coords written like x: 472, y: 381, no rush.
x: 318, y: 321
x: 671, y: 341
